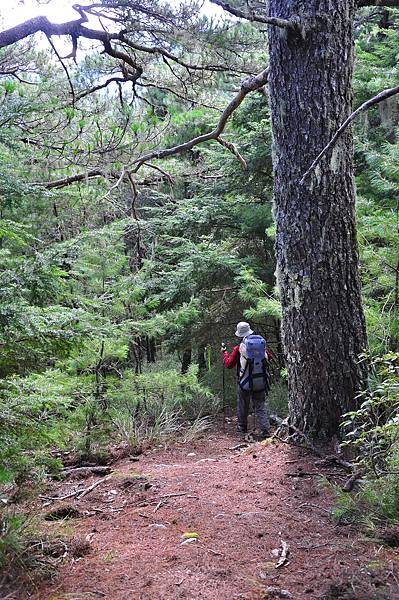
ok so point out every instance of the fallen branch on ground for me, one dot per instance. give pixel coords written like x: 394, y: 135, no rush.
x: 333, y: 458
x: 78, y: 493
x: 238, y: 446
x: 309, y: 504
x: 285, y: 551
x: 303, y: 474
x: 84, y: 471
x: 92, y: 487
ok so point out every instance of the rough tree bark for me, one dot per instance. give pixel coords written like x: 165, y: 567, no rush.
x: 323, y: 328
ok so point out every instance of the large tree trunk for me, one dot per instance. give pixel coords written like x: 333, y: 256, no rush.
x: 323, y: 327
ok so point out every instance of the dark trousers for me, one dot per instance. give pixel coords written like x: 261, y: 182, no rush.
x: 259, y: 404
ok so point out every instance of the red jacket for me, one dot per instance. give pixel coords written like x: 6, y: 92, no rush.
x: 231, y: 361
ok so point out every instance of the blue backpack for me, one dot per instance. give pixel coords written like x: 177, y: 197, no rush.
x: 254, y: 376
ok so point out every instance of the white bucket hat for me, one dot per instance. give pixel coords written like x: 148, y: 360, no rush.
x: 243, y: 329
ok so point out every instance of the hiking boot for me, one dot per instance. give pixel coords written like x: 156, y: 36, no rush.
x: 241, y: 430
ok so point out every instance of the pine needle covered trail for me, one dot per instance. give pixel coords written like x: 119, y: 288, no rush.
x: 209, y: 520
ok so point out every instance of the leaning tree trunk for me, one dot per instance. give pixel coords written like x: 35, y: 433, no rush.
x: 323, y: 327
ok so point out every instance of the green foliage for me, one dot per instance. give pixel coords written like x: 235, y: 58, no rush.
x: 373, y: 429
x: 25, y: 551
x: 277, y: 399
x: 68, y: 410
x: 372, y: 433
x: 156, y: 405
x: 97, y: 276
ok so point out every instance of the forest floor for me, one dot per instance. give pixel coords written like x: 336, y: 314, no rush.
x: 245, y: 504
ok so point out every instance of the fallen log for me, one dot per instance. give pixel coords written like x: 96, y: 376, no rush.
x: 83, y: 472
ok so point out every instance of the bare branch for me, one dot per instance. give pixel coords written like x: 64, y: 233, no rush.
x: 165, y: 174
x: 166, y: 54
x: 75, y: 30
x: 249, y: 84
x: 384, y: 95
x: 232, y: 148
x: 64, y: 68
x: 187, y: 99
x: 125, y: 79
x: 58, y: 183
x: 71, y: 28
x: 23, y: 30
x: 284, y: 23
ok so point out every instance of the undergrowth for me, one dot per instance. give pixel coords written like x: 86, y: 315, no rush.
x: 60, y: 413
x: 372, y: 434
x: 23, y: 550
x: 55, y: 410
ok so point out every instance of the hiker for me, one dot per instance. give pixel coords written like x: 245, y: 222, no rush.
x: 250, y: 358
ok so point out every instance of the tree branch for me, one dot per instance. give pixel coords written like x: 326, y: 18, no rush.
x: 384, y: 95
x: 101, y: 86
x: 284, y: 23
x: 58, y: 183
x: 231, y: 148
x: 23, y: 30
x: 75, y: 30
x: 249, y: 84
x: 78, y: 177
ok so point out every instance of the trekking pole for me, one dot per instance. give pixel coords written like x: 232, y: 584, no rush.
x: 224, y: 392
x: 224, y: 400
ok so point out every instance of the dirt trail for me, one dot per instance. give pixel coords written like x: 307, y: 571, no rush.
x: 242, y: 504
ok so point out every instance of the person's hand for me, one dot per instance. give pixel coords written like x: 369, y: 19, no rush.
x: 223, y: 347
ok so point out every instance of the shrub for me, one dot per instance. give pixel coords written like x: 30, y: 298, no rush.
x: 372, y: 433
x: 60, y: 410
x: 373, y: 430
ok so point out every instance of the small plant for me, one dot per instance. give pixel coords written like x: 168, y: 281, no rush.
x: 24, y: 551
x: 373, y: 430
x: 372, y: 433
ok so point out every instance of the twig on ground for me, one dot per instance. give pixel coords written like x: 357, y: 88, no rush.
x: 174, y: 495
x: 285, y: 551
x: 92, y: 487
x: 61, y: 497
x: 333, y: 458
x: 303, y: 474
x: 238, y: 447
x: 158, y: 506
x: 215, y: 552
x: 314, y: 506
x: 313, y: 546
